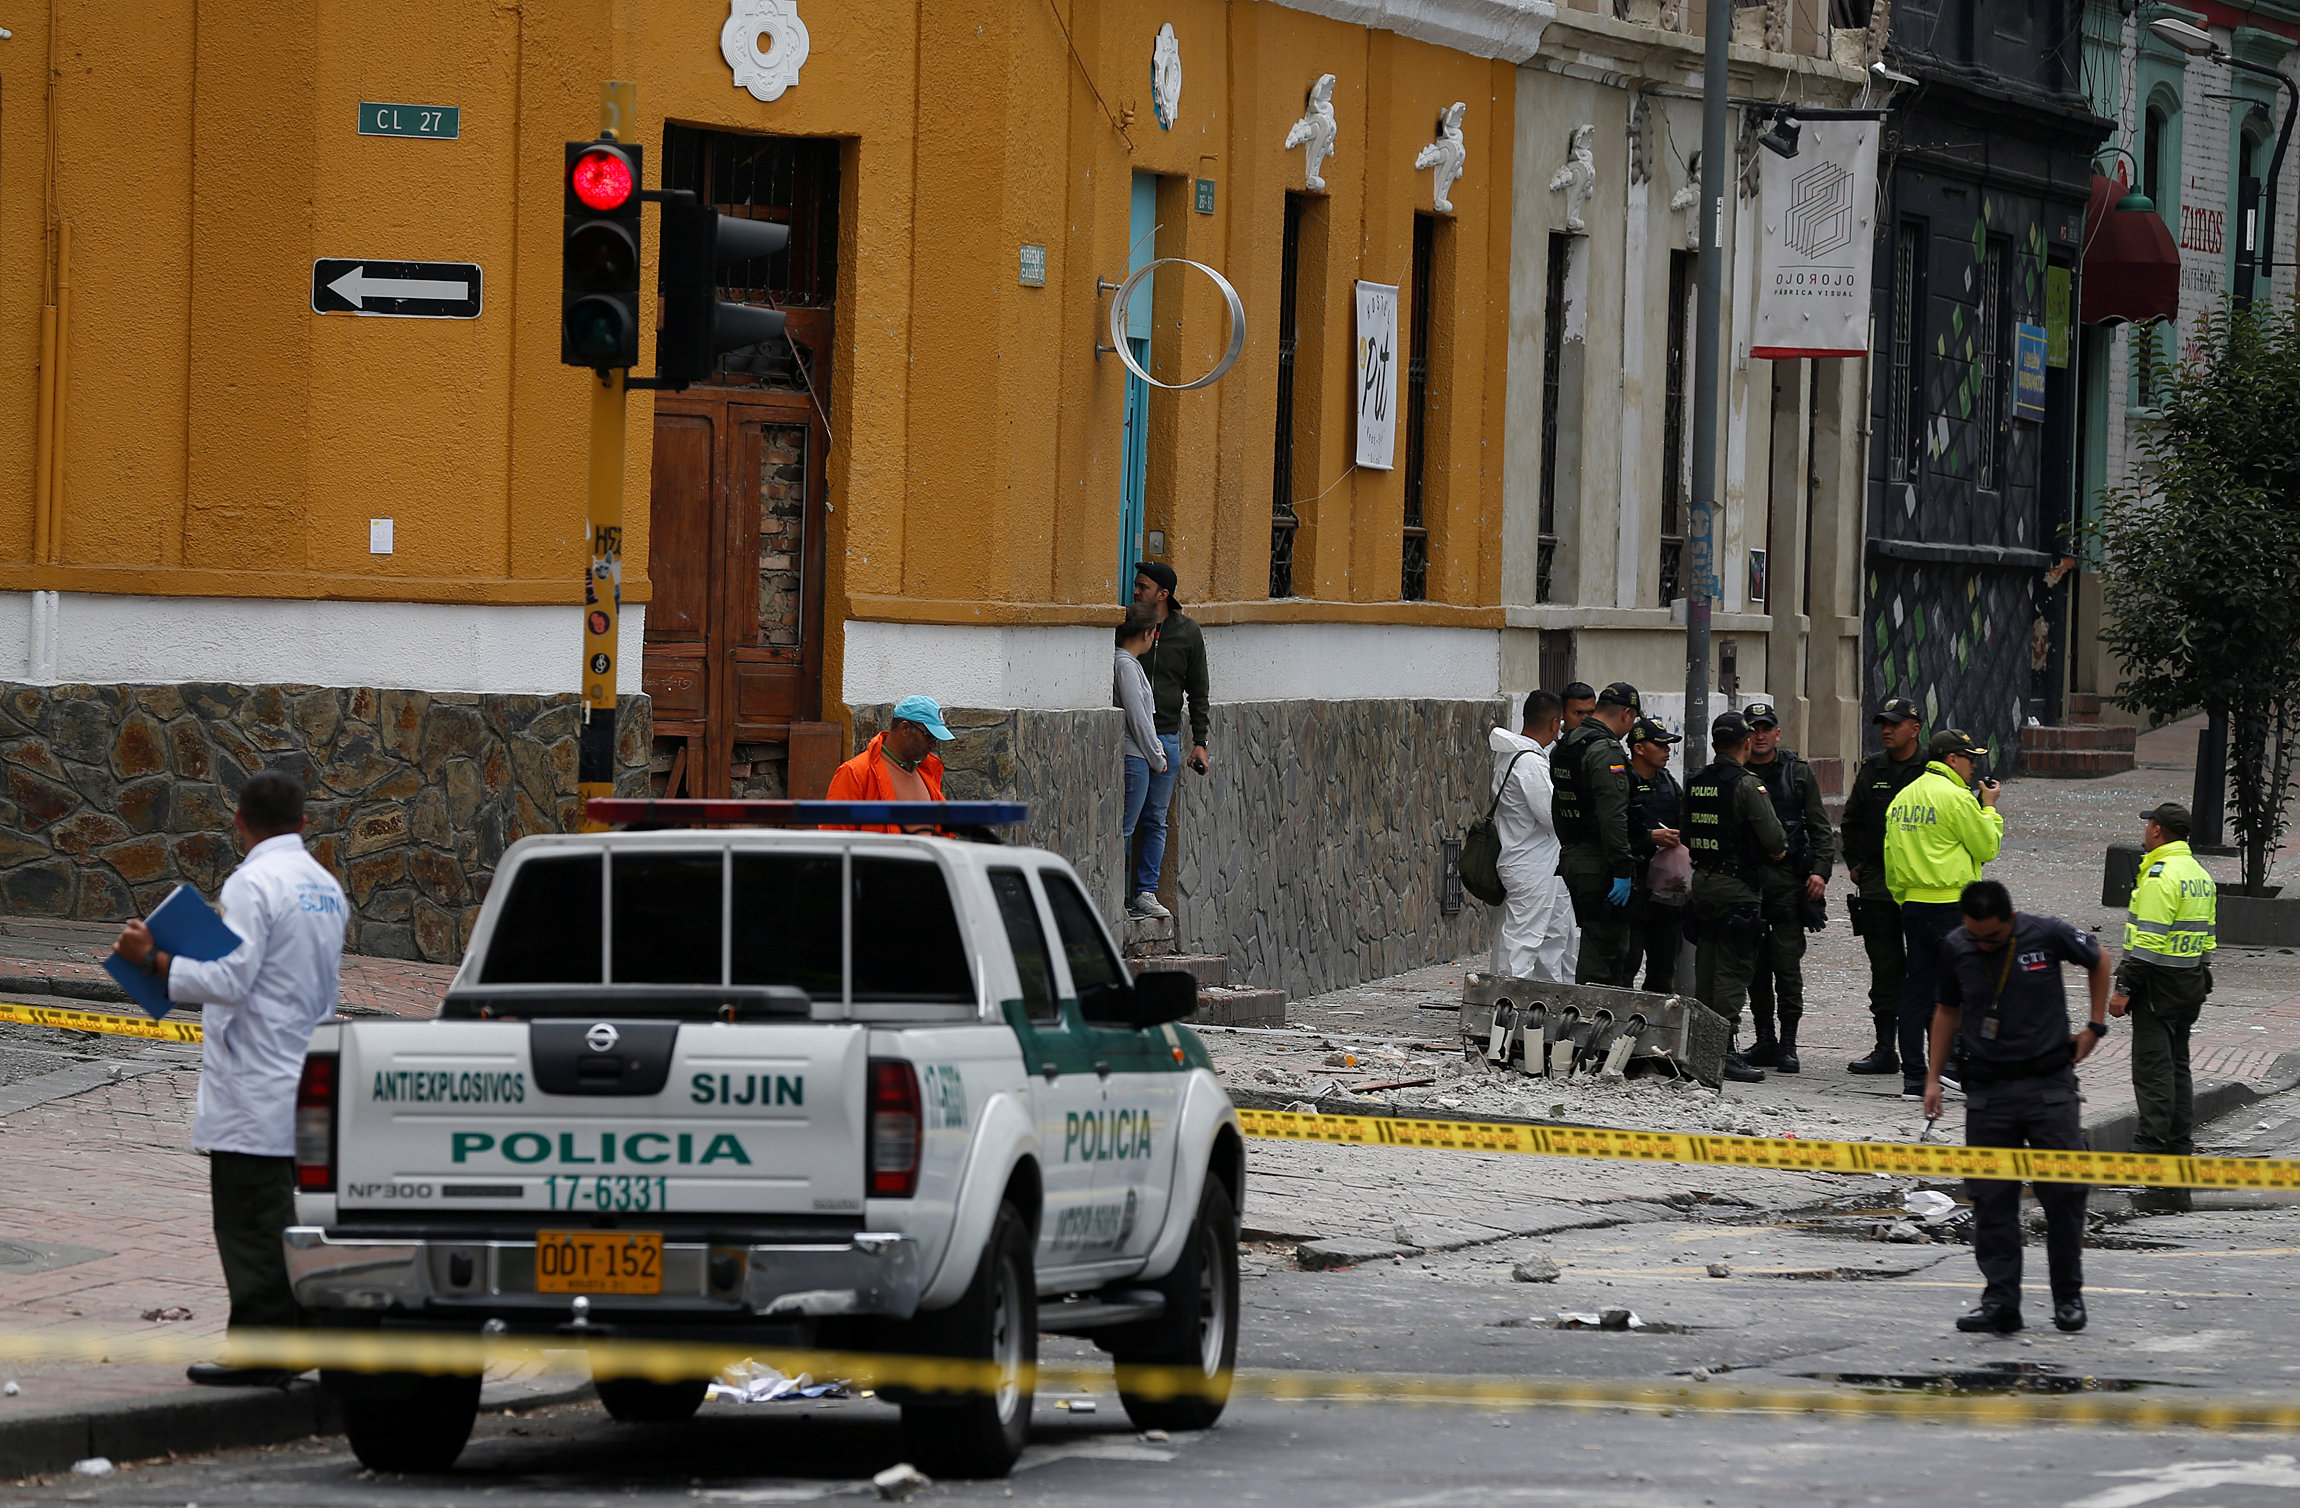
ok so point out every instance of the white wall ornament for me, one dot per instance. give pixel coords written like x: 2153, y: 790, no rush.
x: 1166, y: 77
x: 766, y: 45
x: 1315, y: 131
x: 1576, y: 178
x: 1446, y: 155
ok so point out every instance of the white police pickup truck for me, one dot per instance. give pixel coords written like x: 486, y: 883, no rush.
x: 856, y: 1090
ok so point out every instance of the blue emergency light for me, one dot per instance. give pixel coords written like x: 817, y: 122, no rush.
x: 703, y: 812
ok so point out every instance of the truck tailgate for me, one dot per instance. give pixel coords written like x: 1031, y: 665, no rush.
x: 616, y: 1116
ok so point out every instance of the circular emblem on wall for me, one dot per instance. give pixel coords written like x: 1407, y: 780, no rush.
x: 765, y: 43
x: 1165, y: 77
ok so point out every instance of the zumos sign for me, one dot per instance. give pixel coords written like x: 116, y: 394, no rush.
x: 1819, y: 215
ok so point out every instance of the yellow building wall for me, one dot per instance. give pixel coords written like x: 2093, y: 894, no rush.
x: 218, y: 438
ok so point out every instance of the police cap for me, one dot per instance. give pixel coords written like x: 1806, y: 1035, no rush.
x: 1761, y: 715
x: 1897, y: 709
x: 1729, y: 728
x: 1956, y: 741
x: 2170, y: 815
x: 1620, y: 694
x: 1646, y: 731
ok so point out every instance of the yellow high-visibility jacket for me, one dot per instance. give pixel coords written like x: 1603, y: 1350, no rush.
x: 1937, y: 837
x: 2175, y: 910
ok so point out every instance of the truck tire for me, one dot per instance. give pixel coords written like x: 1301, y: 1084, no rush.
x: 642, y: 1400
x: 996, y: 1320
x: 1194, y: 1348
x: 407, y: 1421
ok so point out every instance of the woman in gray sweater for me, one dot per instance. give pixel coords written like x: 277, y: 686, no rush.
x: 1145, y: 751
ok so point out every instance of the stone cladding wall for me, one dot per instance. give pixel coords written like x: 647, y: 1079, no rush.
x: 1310, y: 855
x: 114, y: 794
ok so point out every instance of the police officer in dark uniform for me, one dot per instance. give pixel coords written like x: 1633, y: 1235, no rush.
x: 1589, y: 802
x: 1794, y: 892
x: 1656, y: 805
x: 1875, y: 917
x: 1732, y: 830
x: 2005, y: 1008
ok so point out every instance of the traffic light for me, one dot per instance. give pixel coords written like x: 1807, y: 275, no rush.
x: 599, y: 256
x: 697, y: 324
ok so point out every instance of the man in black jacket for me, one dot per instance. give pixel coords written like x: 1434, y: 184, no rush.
x: 1589, y: 801
x: 1875, y: 916
x: 1793, y: 892
x: 1177, y: 667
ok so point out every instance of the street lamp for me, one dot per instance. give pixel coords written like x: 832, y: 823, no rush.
x: 2210, y: 796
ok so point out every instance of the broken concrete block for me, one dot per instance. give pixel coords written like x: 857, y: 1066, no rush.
x: 1536, y: 1270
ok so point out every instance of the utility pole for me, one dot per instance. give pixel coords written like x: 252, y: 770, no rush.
x: 603, y: 575
x: 1717, y: 26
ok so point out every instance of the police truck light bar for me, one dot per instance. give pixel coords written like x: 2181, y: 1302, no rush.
x: 693, y: 812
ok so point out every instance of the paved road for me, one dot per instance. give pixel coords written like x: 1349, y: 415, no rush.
x: 2185, y: 1306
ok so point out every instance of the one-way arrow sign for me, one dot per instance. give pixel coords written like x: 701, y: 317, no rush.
x: 402, y: 290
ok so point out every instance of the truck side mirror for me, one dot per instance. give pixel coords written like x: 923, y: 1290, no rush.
x: 1163, y: 995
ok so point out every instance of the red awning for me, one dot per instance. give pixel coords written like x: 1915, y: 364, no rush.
x: 2131, y: 267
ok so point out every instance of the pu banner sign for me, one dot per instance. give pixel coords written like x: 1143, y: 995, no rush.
x: 1377, y: 375
x: 1820, y: 219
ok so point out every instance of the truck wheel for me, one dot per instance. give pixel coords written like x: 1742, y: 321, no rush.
x: 995, y: 1321
x: 642, y: 1400
x: 408, y: 1422
x: 1175, y: 1374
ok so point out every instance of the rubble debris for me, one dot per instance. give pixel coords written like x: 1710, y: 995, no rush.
x: 1536, y: 1270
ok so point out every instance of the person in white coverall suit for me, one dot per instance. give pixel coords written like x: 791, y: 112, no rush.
x: 1537, y: 938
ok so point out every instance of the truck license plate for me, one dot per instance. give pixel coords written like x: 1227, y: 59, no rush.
x: 598, y: 1261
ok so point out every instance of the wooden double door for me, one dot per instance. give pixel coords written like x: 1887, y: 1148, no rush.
x: 734, y: 633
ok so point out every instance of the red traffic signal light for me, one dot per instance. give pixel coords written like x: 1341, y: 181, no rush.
x: 599, y: 256
x: 602, y: 179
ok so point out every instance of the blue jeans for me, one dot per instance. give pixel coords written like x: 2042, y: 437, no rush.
x: 1148, y: 810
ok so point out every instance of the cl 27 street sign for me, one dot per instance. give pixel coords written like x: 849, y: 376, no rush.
x: 401, y: 290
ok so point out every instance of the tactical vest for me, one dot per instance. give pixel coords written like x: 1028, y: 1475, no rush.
x: 1780, y: 781
x: 1570, y: 806
x: 1715, y: 835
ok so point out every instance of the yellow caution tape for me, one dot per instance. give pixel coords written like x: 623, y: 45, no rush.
x: 671, y: 1361
x: 101, y: 1021
x: 1781, y: 1153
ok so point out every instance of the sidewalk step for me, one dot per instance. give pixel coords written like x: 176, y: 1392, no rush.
x: 2084, y: 704
x: 1148, y: 936
x: 1212, y: 969
x: 2079, y: 736
x: 2075, y: 764
x: 1222, y: 1006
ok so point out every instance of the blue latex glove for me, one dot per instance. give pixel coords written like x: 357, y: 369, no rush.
x: 1619, y: 895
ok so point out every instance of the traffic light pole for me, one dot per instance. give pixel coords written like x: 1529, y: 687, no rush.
x: 603, y: 575
x: 602, y: 593
x: 1707, y: 351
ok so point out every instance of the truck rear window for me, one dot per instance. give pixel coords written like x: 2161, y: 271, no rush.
x: 669, y: 914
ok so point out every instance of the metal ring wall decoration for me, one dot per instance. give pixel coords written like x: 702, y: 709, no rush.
x: 1125, y: 294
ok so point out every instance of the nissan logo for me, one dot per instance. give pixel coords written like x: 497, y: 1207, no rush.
x: 602, y: 1037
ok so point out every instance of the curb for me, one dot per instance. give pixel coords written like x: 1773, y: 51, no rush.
x: 200, y: 1421
x: 65, y: 987
x: 2111, y: 1131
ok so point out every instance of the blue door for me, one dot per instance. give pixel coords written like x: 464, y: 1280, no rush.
x: 1134, y: 470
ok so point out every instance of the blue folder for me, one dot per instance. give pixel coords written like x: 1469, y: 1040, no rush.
x: 182, y: 925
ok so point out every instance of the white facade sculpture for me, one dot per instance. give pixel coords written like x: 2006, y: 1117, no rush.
x: 1446, y: 155
x: 1576, y: 178
x: 1315, y: 131
x: 769, y: 69
x: 1166, y: 77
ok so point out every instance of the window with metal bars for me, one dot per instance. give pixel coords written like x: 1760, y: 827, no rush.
x: 792, y: 180
x: 1989, y: 389
x: 1676, y: 440
x: 1283, y: 521
x: 1413, y: 584
x: 1552, y: 393
x: 1904, y: 423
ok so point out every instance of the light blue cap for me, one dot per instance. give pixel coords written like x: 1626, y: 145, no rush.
x: 924, y: 711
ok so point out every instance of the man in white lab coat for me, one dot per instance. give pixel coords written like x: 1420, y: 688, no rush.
x: 259, y: 1005
x: 1537, y: 938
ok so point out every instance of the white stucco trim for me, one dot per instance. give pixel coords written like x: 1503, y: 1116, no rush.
x: 963, y: 665
x: 1506, y: 29
x: 1045, y: 669
x: 48, y: 638
x: 1275, y: 662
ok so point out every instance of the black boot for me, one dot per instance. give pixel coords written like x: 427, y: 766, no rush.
x: 1737, y: 1069
x: 1786, y: 1061
x: 1883, y: 1058
x: 1765, y: 1054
